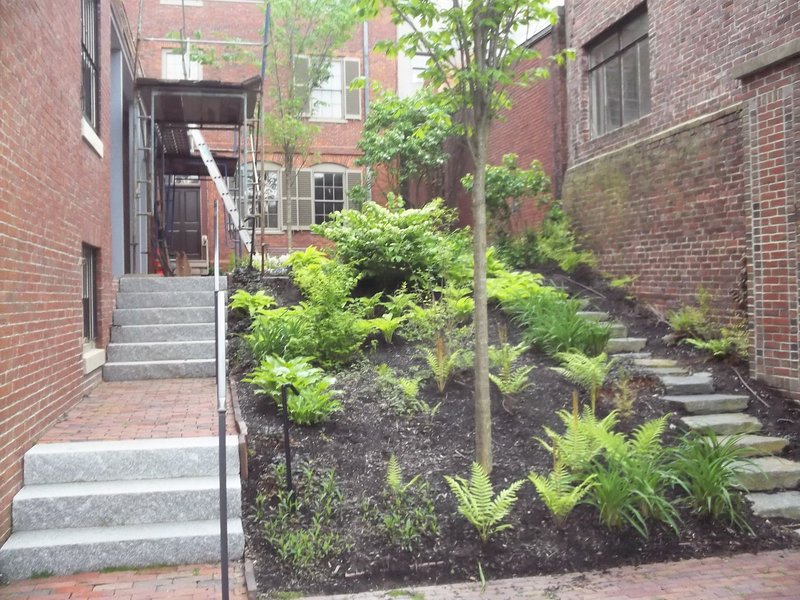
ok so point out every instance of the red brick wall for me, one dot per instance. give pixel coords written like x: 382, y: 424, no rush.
x: 708, y: 178
x: 534, y: 127
x: 55, y: 196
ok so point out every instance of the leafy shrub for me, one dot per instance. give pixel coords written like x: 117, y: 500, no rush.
x: 280, y: 331
x: 693, y: 321
x: 405, y: 514
x: 590, y: 373
x: 391, y: 244
x: 514, y: 289
x: 519, y: 251
x: 707, y: 467
x: 299, y: 527
x: 557, y: 242
x: 252, y: 304
x: 386, y: 324
x: 559, y: 492
x: 314, y: 403
x: 478, y: 503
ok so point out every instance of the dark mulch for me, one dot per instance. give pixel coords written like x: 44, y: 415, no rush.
x: 359, y: 441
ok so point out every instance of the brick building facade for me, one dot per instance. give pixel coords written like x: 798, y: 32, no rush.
x: 58, y: 151
x: 683, y: 157
x: 330, y: 163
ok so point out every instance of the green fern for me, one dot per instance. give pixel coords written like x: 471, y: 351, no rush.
x: 479, y: 504
x: 394, y: 477
x: 558, y: 492
x: 443, y: 362
x: 253, y: 304
x: 503, y: 356
x: 512, y: 382
x: 581, y: 441
x: 585, y: 371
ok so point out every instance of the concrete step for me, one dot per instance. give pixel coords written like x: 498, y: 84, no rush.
x: 112, y: 503
x: 157, y: 283
x: 723, y: 424
x: 128, y: 460
x: 67, y: 551
x: 655, y: 363
x: 704, y: 404
x: 160, y: 351
x: 769, y: 473
x: 625, y: 345
x: 181, y: 332
x: 785, y: 505
x: 164, y: 299
x: 167, y: 316
x: 160, y: 369
x: 759, y: 445
x: 681, y: 385
x: 594, y: 315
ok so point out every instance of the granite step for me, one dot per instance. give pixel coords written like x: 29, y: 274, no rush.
x: 703, y: 404
x: 180, y: 332
x: 160, y: 369
x: 166, y: 316
x: 113, y: 503
x: 758, y: 445
x: 785, y: 505
x: 769, y: 473
x: 625, y: 345
x: 158, y: 283
x: 67, y: 551
x: 71, y: 462
x: 697, y: 383
x: 655, y: 363
x: 164, y: 299
x: 723, y: 423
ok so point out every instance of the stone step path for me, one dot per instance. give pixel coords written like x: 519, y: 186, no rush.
x: 769, y: 478
x: 163, y: 328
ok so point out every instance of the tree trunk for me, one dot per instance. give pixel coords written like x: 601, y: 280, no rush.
x: 483, y: 407
x: 288, y: 206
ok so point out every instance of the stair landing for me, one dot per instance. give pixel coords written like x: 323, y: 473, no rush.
x: 148, y: 409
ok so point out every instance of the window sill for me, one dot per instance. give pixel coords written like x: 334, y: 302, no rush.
x: 324, y: 120
x: 179, y: 3
x: 90, y: 135
x: 93, y: 359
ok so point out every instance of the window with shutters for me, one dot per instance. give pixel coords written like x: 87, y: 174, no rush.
x: 271, y: 198
x: 619, y: 74
x: 90, y: 71
x: 328, y: 92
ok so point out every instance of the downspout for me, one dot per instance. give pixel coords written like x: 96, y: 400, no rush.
x: 365, y: 50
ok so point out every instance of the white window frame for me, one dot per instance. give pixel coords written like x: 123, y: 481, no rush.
x: 195, y: 68
x: 325, y: 169
x: 337, y: 64
x: 278, y: 170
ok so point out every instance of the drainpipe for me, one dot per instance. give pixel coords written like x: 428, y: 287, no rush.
x: 365, y: 36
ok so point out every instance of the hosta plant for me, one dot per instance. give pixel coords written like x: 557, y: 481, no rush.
x: 478, y: 503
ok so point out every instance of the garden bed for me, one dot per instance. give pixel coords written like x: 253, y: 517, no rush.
x: 358, y: 442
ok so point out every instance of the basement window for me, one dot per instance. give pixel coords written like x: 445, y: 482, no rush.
x: 619, y: 74
x: 89, y: 295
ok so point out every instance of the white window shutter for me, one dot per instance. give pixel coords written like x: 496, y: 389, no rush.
x: 301, y: 83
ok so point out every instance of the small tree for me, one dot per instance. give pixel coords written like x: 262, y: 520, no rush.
x: 303, y: 36
x: 506, y: 184
x: 473, y: 59
x: 406, y: 137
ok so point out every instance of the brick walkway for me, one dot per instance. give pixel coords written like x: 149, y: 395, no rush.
x: 766, y: 576
x: 124, y: 410
x: 194, y: 582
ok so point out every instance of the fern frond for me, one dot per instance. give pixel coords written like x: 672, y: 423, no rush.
x: 394, y: 476
x: 589, y: 373
x: 558, y: 492
x: 646, y: 439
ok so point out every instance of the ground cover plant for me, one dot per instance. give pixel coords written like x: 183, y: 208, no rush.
x: 398, y: 497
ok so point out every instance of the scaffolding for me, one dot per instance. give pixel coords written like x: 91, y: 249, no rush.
x: 171, y: 121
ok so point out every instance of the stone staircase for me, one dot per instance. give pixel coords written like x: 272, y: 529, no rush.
x: 87, y: 506
x: 769, y: 478
x: 163, y: 327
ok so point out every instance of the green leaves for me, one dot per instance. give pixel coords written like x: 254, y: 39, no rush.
x: 478, y: 503
x: 314, y: 403
x: 559, y: 493
x: 251, y: 303
x: 588, y: 372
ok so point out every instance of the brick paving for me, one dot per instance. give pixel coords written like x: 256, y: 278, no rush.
x: 766, y: 576
x: 195, y: 582
x: 124, y: 410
